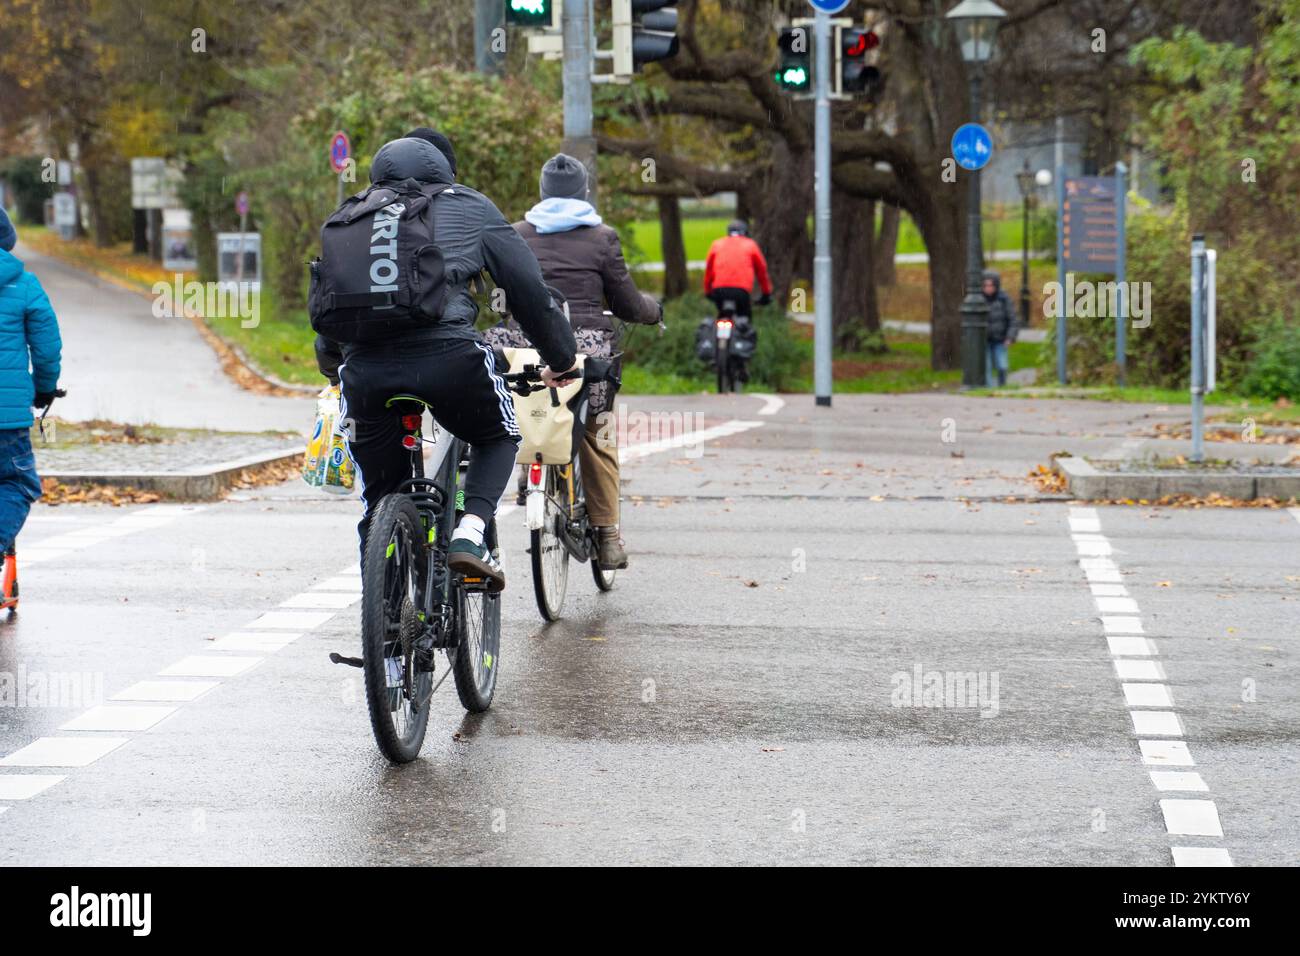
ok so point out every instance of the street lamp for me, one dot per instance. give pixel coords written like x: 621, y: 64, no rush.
x: 976, y: 23
x: 1026, y: 180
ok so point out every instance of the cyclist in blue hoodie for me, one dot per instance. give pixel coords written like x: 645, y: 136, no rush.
x: 29, y: 374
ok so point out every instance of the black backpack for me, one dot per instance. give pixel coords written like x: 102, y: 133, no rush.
x: 380, y: 272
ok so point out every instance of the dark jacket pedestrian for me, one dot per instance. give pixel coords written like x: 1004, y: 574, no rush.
x: 1003, y: 321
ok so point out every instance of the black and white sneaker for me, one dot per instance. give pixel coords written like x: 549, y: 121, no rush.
x: 476, y: 564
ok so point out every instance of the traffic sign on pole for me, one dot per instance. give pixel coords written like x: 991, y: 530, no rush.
x: 829, y: 6
x: 972, y: 146
x: 241, y: 203
x: 340, y: 151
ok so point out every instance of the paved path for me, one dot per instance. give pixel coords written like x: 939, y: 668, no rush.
x: 122, y: 364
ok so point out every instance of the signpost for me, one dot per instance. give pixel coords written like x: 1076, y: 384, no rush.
x: 241, y: 207
x: 340, y: 153
x: 1204, y: 353
x: 1091, y: 238
x: 823, y: 273
x: 972, y: 146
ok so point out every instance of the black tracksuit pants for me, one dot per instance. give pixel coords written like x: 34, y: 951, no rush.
x: 468, y: 397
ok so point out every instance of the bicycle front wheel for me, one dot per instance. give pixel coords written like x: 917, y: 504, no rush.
x: 397, y: 686
x: 550, y: 558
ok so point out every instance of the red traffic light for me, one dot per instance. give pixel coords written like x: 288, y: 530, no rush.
x: 860, y: 42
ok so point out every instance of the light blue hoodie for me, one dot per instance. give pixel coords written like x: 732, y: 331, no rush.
x: 558, y: 214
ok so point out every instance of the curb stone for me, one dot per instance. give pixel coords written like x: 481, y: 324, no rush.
x: 1088, y: 482
x: 201, y: 483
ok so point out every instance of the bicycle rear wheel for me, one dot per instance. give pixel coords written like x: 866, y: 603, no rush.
x: 478, y: 642
x: 550, y: 558
x: 397, y: 687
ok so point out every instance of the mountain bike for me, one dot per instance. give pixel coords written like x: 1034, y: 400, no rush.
x: 413, y: 606
x: 555, y: 510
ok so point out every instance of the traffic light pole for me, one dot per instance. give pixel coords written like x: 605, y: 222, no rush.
x: 578, y: 63
x: 822, y: 258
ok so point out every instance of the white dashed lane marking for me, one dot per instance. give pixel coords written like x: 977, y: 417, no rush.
x: 1148, y: 697
x: 119, y: 717
x: 24, y: 786
x: 180, y: 691
x: 62, y: 751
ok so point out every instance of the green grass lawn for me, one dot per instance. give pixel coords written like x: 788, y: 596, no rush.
x: 999, y: 234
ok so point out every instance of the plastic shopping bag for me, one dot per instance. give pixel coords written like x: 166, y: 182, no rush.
x: 327, y: 464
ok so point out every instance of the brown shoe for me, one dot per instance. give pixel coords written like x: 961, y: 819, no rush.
x: 610, y: 555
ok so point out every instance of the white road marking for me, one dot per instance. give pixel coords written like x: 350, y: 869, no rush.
x: 341, y: 583
x: 56, y: 546
x: 1085, y: 525
x: 1139, y: 670
x: 1122, y: 625
x: 244, y: 641
x: 1108, y: 590
x: 692, y: 438
x: 24, y: 786
x: 120, y: 717
x: 1295, y: 513
x: 1117, y: 605
x: 1142, y: 682
x: 1191, y: 817
x: 1166, y: 753
x: 180, y: 691
x: 1156, y: 723
x: 298, y: 620
x: 1130, y: 646
x: 1147, y: 695
x: 1201, y: 856
x: 1177, y: 780
x: 62, y: 751
x: 328, y: 599
x: 1102, y: 576
x: 213, y: 666
x: 771, y: 403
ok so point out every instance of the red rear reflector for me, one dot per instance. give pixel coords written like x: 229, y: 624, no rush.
x: 410, y: 442
x: 726, y: 322
x: 411, y: 422
x: 534, y: 474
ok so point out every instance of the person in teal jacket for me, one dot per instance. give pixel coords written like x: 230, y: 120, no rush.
x: 29, y: 374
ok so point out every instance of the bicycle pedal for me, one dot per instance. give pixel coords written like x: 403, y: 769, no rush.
x: 336, y: 658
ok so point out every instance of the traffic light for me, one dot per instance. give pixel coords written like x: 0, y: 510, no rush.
x: 535, y: 14
x: 854, y: 74
x: 794, y: 60
x: 644, y: 31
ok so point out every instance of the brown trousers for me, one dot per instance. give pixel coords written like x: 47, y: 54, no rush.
x: 599, y: 460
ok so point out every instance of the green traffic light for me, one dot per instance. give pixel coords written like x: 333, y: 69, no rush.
x: 529, y: 13
x: 794, y: 76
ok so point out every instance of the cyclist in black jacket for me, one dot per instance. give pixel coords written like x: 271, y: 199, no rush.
x: 447, y: 364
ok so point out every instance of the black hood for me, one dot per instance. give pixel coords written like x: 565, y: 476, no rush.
x: 995, y: 278
x: 410, y: 159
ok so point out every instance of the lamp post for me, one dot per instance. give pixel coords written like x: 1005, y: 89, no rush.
x: 975, y: 22
x: 1028, y: 180
x: 1025, y: 180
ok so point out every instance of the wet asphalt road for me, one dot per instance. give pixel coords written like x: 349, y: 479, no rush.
x: 735, y: 699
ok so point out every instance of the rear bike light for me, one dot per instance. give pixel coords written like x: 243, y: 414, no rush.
x: 410, y: 442
x: 411, y: 422
x: 726, y: 323
x: 535, y: 473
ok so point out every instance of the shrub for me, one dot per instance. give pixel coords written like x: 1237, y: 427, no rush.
x: 1273, y: 370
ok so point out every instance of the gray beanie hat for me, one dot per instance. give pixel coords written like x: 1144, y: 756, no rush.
x: 564, y: 177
